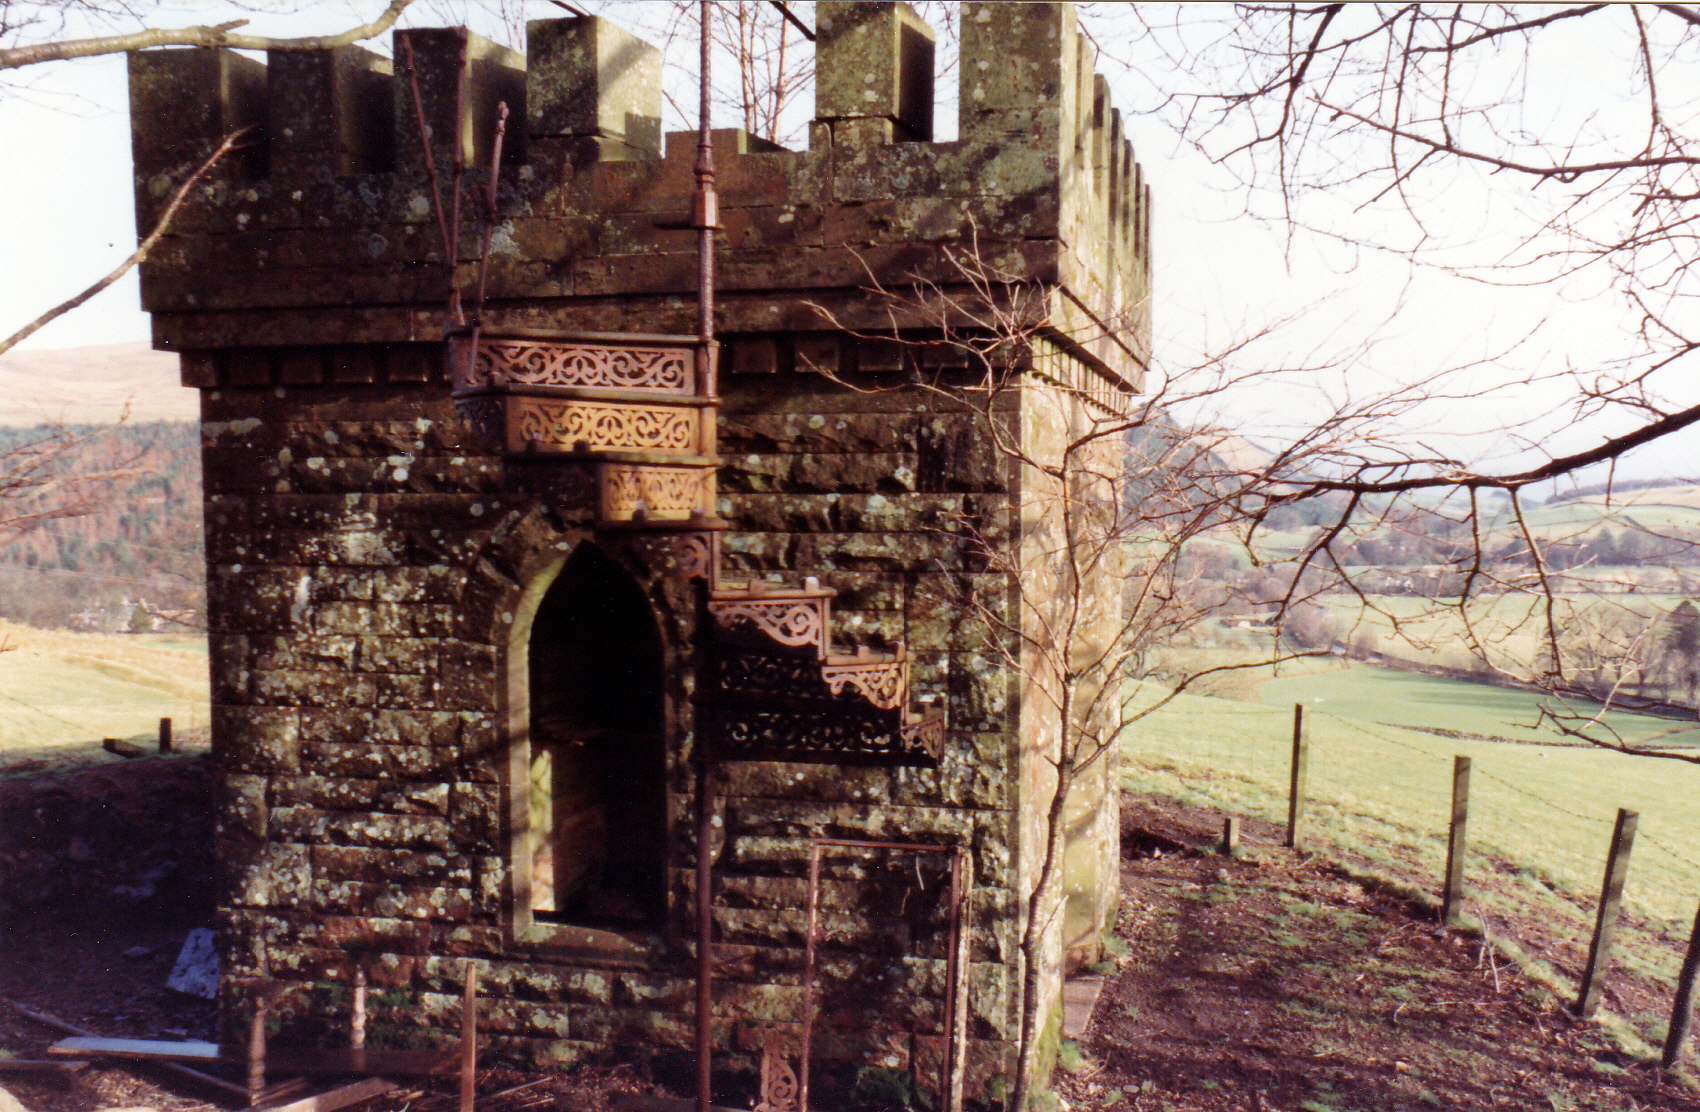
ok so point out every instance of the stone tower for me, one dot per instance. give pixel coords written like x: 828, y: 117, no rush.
x: 472, y: 621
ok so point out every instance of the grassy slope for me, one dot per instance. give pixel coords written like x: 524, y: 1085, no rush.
x: 61, y: 691
x: 1382, y: 794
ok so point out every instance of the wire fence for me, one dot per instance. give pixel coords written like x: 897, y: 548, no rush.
x: 1539, y: 827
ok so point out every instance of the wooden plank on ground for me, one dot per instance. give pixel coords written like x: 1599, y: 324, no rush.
x: 146, y: 1049
x: 279, y: 1059
x: 340, y: 1097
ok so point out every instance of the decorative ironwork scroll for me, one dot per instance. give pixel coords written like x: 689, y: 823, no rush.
x: 779, y: 1087
x: 697, y: 556
x: 925, y: 735
x: 757, y: 734
x: 793, y: 622
x: 883, y: 683
x: 630, y: 490
x: 603, y: 426
x: 575, y: 363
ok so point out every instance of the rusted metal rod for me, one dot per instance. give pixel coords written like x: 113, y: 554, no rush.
x: 948, y: 1100
x: 704, y: 217
x: 469, y: 1038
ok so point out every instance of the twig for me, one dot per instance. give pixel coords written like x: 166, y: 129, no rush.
x: 141, y: 252
x: 203, y: 36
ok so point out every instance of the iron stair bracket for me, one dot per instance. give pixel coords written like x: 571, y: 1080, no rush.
x: 777, y: 691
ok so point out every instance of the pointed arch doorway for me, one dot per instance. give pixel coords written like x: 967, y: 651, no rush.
x: 598, y: 770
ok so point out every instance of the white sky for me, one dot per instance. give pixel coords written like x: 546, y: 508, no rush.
x: 67, y: 219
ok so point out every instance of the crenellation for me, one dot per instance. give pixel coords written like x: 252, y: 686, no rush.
x: 587, y: 78
x: 493, y: 75
x: 873, y: 73
x: 329, y: 113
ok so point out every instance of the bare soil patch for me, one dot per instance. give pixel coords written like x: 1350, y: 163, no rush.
x: 1269, y: 974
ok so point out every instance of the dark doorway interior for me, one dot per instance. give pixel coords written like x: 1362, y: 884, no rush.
x: 598, y: 767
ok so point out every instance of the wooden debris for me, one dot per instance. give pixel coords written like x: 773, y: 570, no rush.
x: 304, y: 1060
x: 146, y: 1049
x: 175, y: 1067
x: 33, y: 1065
x: 340, y: 1097
x: 121, y: 748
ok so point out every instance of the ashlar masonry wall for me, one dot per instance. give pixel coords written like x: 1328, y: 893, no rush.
x: 386, y: 588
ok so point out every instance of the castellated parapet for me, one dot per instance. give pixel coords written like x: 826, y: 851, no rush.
x: 391, y: 597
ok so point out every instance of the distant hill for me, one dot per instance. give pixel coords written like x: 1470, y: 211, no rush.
x: 93, y: 386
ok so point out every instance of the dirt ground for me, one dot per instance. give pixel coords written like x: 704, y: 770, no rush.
x: 1265, y: 981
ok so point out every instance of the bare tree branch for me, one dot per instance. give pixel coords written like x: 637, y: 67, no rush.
x: 218, y: 35
x: 139, y: 255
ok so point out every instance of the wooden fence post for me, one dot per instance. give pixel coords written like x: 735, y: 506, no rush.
x: 1605, y: 924
x: 1452, y: 900
x: 1683, y: 1009
x: 165, y: 735
x: 1301, y: 776
x: 1230, y: 835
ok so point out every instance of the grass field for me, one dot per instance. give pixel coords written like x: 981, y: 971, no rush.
x: 61, y: 692
x: 1382, y: 793
x: 1388, y: 697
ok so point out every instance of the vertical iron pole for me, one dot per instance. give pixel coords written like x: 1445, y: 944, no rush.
x: 1605, y: 923
x: 705, y: 927
x: 1452, y: 901
x: 704, y: 217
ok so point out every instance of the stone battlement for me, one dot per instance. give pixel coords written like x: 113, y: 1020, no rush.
x: 327, y: 211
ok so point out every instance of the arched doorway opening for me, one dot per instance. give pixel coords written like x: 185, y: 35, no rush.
x: 598, y: 784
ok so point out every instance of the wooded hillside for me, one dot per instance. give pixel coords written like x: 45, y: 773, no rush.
x: 116, y: 527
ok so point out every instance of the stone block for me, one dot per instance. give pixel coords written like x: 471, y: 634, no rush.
x: 412, y: 727
x: 182, y: 104
x: 493, y: 74
x: 467, y: 676
x: 331, y: 112
x: 260, y: 740
x: 242, y: 806
x: 392, y: 901
x: 278, y: 877
x: 588, y: 77
x: 783, y: 780
x: 378, y: 866
x: 314, y: 827
x: 323, y: 792
x: 874, y: 59
x: 359, y: 760
x: 476, y: 813
x: 823, y: 431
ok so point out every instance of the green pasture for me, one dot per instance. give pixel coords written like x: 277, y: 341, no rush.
x: 1388, y: 697
x: 61, y: 693
x: 1540, y: 819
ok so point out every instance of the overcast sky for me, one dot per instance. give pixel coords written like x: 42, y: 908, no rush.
x: 67, y: 218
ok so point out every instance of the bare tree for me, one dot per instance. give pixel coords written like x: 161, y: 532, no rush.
x: 1120, y: 495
